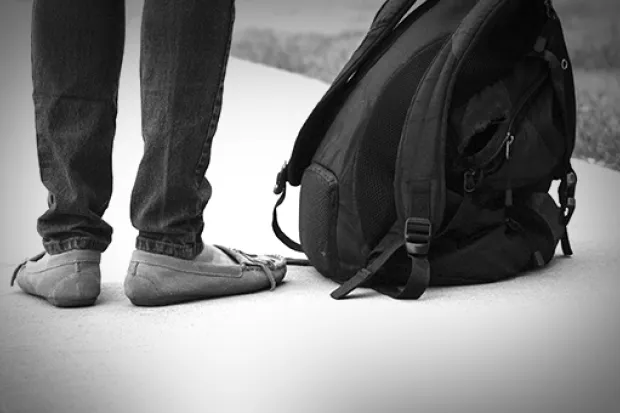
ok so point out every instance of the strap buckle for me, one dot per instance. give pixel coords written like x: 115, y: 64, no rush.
x: 567, y: 190
x: 281, y: 180
x: 418, y: 233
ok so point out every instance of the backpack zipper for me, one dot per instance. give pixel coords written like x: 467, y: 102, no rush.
x: 505, y: 142
x: 510, y: 137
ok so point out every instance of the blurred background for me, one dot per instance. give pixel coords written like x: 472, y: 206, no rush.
x: 316, y: 37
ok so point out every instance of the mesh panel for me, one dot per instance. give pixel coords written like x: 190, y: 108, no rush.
x: 317, y: 218
x: 379, y: 145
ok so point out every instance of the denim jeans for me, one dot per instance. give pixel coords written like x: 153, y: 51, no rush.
x: 77, y: 50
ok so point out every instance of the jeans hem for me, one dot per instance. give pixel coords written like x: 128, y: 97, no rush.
x: 55, y: 247
x: 183, y: 251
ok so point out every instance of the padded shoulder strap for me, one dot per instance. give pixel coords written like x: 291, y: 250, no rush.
x: 419, y: 184
x: 420, y: 171
x: 386, y: 19
x: 309, y: 137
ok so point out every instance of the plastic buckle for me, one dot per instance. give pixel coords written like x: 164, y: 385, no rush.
x: 571, y: 187
x: 567, y: 196
x: 280, y: 180
x: 571, y: 182
x: 471, y: 180
x: 418, y: 236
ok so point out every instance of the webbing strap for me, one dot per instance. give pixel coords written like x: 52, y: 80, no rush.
x: 281, y: 189
x: 366, y: 273
x: 417, y: 243
x: 566, y: 194
x: 560, y: 69
x: 417, y: 283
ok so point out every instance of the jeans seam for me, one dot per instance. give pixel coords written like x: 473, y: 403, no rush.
x: 217, y: 100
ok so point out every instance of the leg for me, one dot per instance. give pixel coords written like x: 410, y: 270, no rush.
x: 184, y: 53
x: 77, y: 48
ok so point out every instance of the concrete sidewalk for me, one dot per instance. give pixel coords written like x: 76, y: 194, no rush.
x: 546, y: 342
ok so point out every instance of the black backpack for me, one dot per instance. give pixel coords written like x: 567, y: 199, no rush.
x: 430, y: 159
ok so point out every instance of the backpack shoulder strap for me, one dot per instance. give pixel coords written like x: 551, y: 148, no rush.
x: 308, y: 139
x: 419, y: 184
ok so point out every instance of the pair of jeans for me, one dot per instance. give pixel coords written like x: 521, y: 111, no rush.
x: 77, y: 50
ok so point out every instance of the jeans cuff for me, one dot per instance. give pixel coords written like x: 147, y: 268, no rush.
x: 54, y: 247
x: 183, y: 251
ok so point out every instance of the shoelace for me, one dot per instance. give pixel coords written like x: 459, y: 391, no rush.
x: 269, y: 274
x: 264, y: 264
x: 23, y: 264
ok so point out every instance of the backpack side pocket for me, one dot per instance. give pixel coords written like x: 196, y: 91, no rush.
x: 318, y: 214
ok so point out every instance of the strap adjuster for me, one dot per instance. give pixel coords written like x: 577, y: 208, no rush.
x: 281, y: 180
x: 418, y: 233
x: 567, y: 195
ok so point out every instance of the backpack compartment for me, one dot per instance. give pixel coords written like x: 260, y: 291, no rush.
x: 508, y: 136
x: 462, y: 111
x: 486, y: 242
x: 361, y: 143
x: 504, y: 143
x: 318, y: 216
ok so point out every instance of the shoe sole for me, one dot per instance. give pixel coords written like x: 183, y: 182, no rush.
x: 83, y: 302
x: 159, y: 301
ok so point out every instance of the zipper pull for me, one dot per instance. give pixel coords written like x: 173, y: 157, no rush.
x: 469, y: 181
x: 510, y: 138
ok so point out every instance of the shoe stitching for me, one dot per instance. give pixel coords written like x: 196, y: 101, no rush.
x: 69, y: 277
x: 148, y: 280
x: 203, y: 273
x: 37, y: 257
x: 64, y: 264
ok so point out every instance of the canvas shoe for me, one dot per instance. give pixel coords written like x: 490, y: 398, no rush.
x: 154, y: 279
x: 70, y: 279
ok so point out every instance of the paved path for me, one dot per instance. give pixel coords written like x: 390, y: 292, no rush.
x: 545, y: 342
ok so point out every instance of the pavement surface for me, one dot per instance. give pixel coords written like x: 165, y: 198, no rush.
x: 545, y: 342
x: 548, y: 341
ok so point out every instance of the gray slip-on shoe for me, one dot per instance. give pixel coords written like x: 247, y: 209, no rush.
x: 70, y: 279
x: 155, y: 280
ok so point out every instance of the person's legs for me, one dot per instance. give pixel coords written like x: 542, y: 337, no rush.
x: 77, y: 49
x: 184, y: 53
